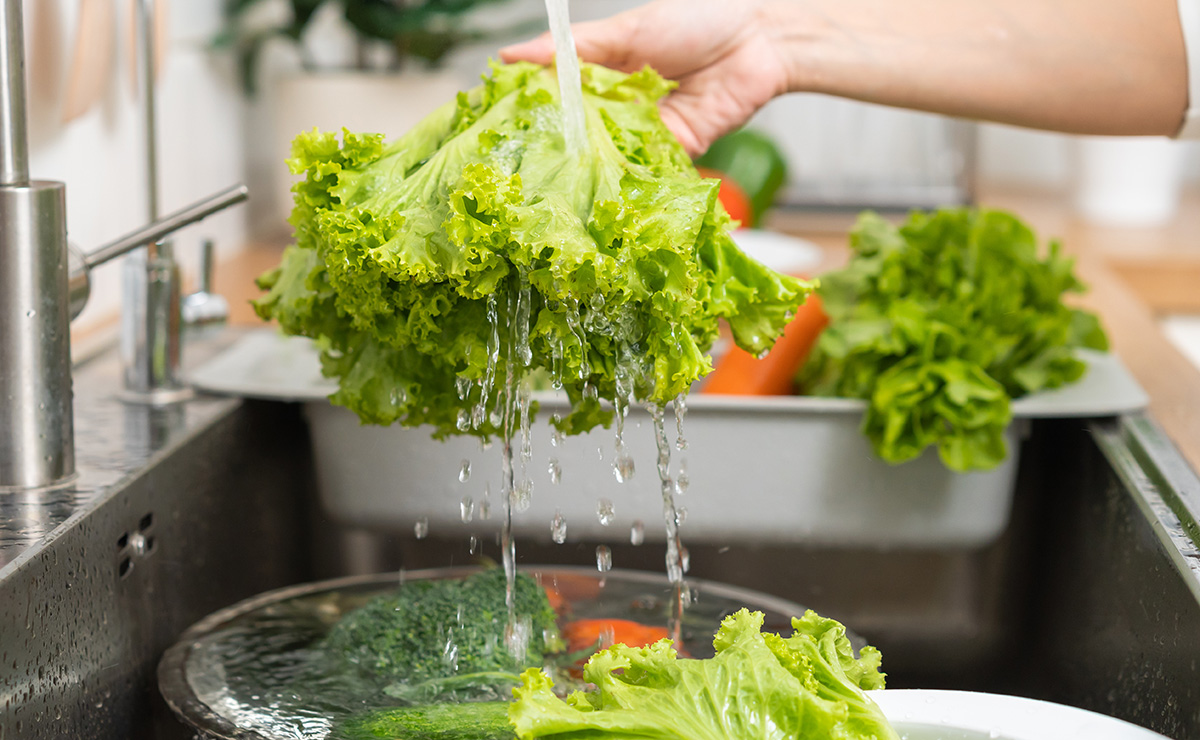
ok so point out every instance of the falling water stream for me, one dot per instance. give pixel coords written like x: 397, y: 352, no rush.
x: 567, y: 64
x: 510, y: 319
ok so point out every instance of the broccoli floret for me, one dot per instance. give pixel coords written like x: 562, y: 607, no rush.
x: 431, y: 630
x: 487, y: 720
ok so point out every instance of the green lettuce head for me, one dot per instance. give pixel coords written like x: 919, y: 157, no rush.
x: 439, y: 269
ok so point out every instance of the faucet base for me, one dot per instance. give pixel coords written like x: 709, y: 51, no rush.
x: 37, y: 427
x: 156, y: 397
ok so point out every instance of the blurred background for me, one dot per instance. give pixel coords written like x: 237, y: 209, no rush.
x: 238, y: 79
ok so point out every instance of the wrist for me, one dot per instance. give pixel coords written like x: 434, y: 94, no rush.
x: 803, y: 38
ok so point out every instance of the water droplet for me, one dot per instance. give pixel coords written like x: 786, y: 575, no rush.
x: 30, y: 314
x: 604, y: 511
x: 138, y: 543
x: 485, y: 506
x: 467, y: 509
x: 473, y: 544
x: 555, y: 470
x: 685, y: 558
x: 682, y: 481
x: 450, y: 654
x: 623, y: 468
x: 681, y: 515
x: 558, y: 528
x: 463, y: 423
x: 522, y: 495
x: 637, y: 532
x: 464, y: 472
x: 421, y: 528
x: 603, y: 558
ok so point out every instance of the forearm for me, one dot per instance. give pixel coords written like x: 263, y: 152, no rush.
x: 1080, y: 66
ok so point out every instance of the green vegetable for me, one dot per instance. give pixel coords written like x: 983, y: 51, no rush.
x: 445, y: 639
x: 939, y: 323
x: 753, y: 161
x: 486, y: 720
x: 429, y: 268
x: 758, y: 685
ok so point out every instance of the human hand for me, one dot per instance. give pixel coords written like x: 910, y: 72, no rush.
x: 724, y: 55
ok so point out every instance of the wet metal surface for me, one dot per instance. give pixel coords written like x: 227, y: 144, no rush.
x: 114, y: 442
x: 176, y: 512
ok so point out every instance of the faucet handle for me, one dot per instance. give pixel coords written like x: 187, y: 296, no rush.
x: 204, y: 308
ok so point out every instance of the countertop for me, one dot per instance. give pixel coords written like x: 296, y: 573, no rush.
x: 1135, y: 275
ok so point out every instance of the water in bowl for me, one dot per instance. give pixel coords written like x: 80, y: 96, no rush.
x: 262, y: 669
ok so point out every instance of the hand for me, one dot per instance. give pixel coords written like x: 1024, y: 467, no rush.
x: 724, y: 55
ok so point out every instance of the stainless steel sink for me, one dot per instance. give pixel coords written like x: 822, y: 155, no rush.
x: 1091, y: 595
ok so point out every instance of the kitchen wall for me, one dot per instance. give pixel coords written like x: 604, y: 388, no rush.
x: 211, y: 136
x: 101, y: 154
x: 1006, y: 155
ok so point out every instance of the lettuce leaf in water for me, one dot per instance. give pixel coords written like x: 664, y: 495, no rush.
x: 421, y: 267
x: 939, y: 323
x: 758, y: 685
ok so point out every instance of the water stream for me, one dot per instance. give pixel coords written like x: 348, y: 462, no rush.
x: 567, y: 64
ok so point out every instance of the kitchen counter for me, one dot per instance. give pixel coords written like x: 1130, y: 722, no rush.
x: 1136, y: 275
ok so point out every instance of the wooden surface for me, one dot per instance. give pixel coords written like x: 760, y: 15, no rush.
x: 1135, y: 276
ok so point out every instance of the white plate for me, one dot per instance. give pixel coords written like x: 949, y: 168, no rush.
x: 927, y: 714
x: 781, y: 252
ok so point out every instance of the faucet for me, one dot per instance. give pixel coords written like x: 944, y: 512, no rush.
x: 44, y: 284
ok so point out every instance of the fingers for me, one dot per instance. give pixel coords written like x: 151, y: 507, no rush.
x: 693, y: 142
x: 608, y: 42
x: 539, y: 51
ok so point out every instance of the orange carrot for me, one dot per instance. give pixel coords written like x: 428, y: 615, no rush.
x: 739, y: 373
x: 565, y: 589
x: 604, y: 633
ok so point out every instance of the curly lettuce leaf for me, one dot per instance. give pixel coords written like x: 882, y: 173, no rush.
x: 939, y: 323
x: 757, y: 685
x: 475, y: 248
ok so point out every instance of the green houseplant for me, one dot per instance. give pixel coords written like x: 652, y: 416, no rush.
x: 421, y: 30
x: 395, y: 75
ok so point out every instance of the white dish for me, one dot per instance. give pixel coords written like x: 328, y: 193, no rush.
x: 781, y: 252
x: 927, y: 714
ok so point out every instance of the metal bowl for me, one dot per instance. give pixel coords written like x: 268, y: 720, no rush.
x: 206, y: 677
